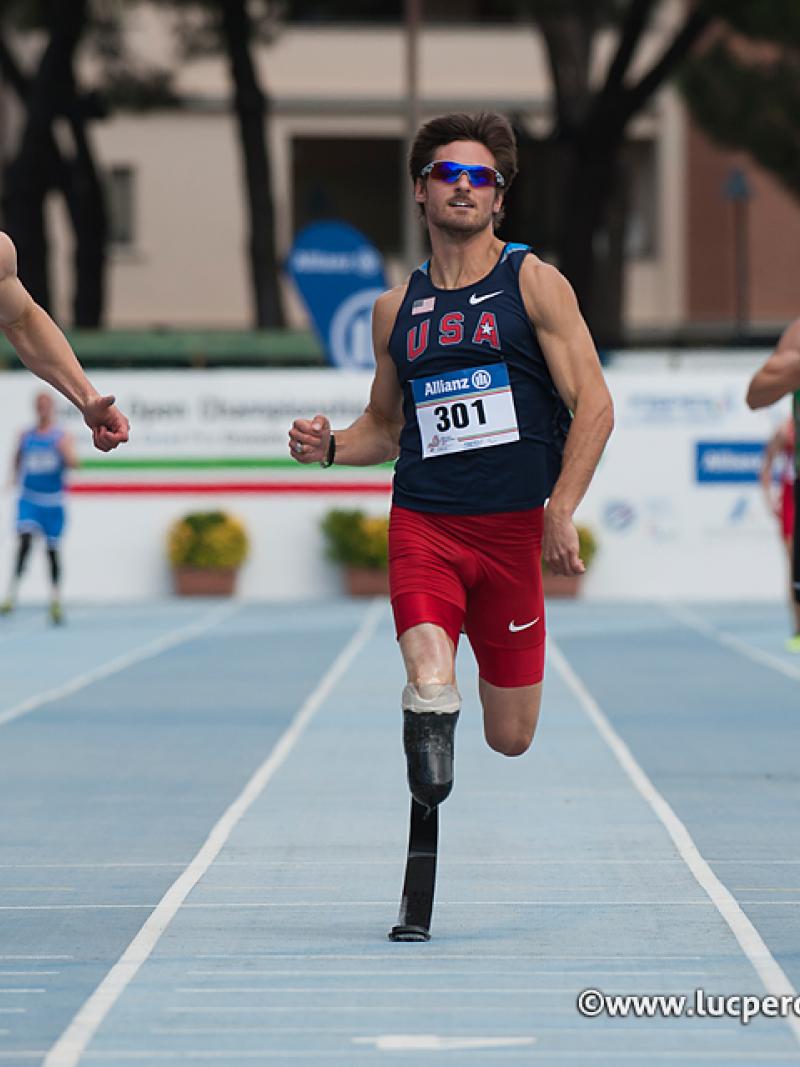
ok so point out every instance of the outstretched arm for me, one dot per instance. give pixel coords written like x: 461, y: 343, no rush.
x: 780, y: 374
x: 374, y: 437
x: 572, y: 359
x: 44, y: 349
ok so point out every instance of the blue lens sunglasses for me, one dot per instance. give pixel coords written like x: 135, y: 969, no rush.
x: 479, y: 177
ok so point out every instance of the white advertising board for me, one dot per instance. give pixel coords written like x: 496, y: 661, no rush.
x: 675, y: 504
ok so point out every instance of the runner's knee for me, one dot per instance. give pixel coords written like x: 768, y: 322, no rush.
x: 509, y: 741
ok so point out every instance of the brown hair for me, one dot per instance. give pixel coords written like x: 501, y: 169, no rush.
x: 487, y: 128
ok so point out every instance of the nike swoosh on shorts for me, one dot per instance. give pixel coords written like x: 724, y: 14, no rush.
x: 525, y: 626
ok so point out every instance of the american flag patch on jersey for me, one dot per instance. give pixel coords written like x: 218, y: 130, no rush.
x: 419, y: 307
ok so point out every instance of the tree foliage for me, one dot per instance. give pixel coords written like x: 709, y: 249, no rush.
x: 743, y: 88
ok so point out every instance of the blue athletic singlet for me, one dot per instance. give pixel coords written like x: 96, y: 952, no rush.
x: 484, y: 424
x: 42, y: 467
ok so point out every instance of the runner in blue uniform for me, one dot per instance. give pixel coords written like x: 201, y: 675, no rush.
x: 481, y: 356
x: 43, y: 455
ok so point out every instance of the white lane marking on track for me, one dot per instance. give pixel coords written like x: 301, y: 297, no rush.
x: 70, y: 1046
x: 579, y: 1055
x: 28, y: 958
x: 242, y: 905
x: 417, y: 990
x: 435, y: 1043
x: 696, y: 622
x: 120, y: 663
x: 451, y: 972
x: 752, y: 944
x: 307, y: 957
x: 511, y: 861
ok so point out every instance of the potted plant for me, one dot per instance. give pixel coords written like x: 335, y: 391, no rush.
x: 359, y: 542
x: 569, y: 585
x: 206, y: 549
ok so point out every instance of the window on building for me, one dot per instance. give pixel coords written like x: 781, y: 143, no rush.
x: 641, y: 172
x: 353, y: 179
x: 120, y: 202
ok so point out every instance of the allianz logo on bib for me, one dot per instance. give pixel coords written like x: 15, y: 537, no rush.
x: 480, y: 379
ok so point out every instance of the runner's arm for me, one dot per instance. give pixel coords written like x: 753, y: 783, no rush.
x: 573, y: 362
x: 781, y: 372
x: 374, y: 437
x: 45, y: 351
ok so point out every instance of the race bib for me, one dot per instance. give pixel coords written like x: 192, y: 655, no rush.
x: 466, y: 409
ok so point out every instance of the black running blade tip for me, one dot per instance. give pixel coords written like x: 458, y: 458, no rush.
x: 409, y: 933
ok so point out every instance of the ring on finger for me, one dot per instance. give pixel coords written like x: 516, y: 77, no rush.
x: 298, y: 447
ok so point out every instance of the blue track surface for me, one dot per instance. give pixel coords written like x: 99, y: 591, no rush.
x: 133, y: 729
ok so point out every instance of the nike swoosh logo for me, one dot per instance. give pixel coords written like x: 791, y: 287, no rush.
x: 475, y: 299
x: 525, y: 626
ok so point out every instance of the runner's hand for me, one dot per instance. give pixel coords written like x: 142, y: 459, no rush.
x: 560, y: 544
x: 309, y: 439
x: 108, y: 425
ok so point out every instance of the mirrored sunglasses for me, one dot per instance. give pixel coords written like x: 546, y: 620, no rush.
x: 479, y: 177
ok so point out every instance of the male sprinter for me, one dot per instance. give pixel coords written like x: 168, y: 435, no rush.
x: 43, y: 455
x: 480, y: 356
x: 44, y: 349
x: 779, y: 376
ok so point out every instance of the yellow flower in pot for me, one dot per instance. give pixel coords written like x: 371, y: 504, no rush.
x: 568, y: 585
x: 206, y: 549
x: 359, y: 542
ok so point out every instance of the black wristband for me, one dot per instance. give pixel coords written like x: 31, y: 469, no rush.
x: 331, y: 456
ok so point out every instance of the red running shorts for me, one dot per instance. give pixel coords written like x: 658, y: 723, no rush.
x: 481, y: 573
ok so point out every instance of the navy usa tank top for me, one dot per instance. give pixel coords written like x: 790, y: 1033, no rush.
x: 472, y: 372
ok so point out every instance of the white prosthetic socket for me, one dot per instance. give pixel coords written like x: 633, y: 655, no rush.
x: 431, y: 697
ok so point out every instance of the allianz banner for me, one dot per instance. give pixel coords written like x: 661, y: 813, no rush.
x: 339, y: 275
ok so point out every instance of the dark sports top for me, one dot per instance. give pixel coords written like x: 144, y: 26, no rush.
x: 483, y: 325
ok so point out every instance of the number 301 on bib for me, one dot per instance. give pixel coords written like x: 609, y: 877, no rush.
x: 473, y: 408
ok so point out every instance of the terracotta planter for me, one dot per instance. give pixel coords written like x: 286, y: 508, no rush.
x: 366, y: 581
x: 561, y: 585
x: 201, y: 581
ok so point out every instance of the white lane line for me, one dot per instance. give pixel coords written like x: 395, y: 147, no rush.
x: 758, y: 1056
x: 752, y: 944
x: 307, y: 957
x: 120, y: 663
x: 295, y: 904
x: 81, y: 866
x: 451, y: 972
x: 37, y: 889
x: 20, y: 991
x: 13, y: 1011
x: 697, y: 622
x: 428, y: 1009
x: 25, y: 974
x: 72, y: 907
x: 416, y: 990
x: 455, y: 861
x: 68, y: 1049
x: 42, y: 958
